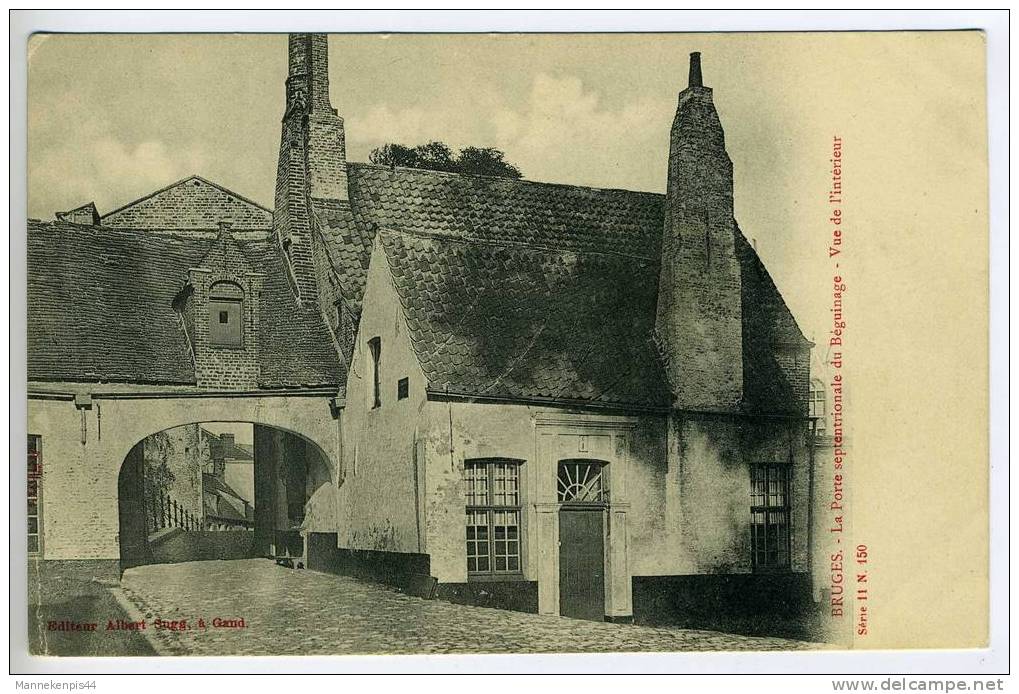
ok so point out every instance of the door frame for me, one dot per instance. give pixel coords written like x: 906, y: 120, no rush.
x: 561, y: 436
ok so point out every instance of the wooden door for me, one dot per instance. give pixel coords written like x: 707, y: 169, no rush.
x: 582, y: 563
x: 134, y: 542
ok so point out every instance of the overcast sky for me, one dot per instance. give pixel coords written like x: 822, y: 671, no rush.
x: 112, y: 118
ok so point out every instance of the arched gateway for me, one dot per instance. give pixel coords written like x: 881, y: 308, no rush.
x: 218, y: 490
x: 87, y: 444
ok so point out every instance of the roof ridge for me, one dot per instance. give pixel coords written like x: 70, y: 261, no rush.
x: 177, y: 183
x: 496, y: 242
x: 455, y: 174
x: 167, y: 233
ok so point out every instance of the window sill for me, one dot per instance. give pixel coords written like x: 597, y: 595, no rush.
x: 495, y: 578
x: 773, y: 570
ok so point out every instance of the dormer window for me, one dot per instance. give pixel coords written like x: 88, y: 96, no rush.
x: 226, y: 315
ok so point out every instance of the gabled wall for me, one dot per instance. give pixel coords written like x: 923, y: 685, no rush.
x: 380, y: 495
x: 194, y: 204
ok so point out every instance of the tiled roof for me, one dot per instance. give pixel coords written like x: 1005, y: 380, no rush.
x: 505, y: 320
x: 100, y: 305
x: 518, y: 289
x: 191, y: 203
x: 537, y: 214
x: 348, y: 243
x: 296, y: 348
x: 767, y: 322
x: 507, y: 210
x: 100, y: 309
x: 213, y: 485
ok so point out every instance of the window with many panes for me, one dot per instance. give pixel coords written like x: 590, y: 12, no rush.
x: 34, y: 494
x: 769, y: 516
x: 493, y: 517
x: 816, y: 406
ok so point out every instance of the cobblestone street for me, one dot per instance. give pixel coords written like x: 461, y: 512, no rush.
x: 288, y: 612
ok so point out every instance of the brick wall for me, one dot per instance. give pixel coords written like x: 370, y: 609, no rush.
x: 292, y: 216
x: 224, y: 368
x: 312, y: 160
x: 327, y: 160
x: 312, y: 157
x: 193, y: 203
x: 699, y: 306
x: 86, y: 214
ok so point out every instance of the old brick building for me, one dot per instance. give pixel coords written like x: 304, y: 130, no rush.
x: 537, y: 396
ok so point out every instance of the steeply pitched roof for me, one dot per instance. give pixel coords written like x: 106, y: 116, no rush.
x: 507, y: 210
x: 100, y: 308
x: 348, y: 241
x: 192, y: 203
x: 479, y: 207
x: 526, y: 290
x: 767, y: 324
x: 100, y: 305
x: 213, y: 485
x: 510, y: 321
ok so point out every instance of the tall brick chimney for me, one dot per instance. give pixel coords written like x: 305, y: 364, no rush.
x: 699, y: 321
x: 312, y: 163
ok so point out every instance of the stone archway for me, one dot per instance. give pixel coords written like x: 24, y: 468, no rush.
x: 175, y: 504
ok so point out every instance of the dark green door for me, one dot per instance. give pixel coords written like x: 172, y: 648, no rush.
x: 582, y: 563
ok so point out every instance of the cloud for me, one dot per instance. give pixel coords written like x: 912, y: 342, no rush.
x: 560, y: 131
x: 108, y: 171
x: 565, y: 132
x: 380, y: 124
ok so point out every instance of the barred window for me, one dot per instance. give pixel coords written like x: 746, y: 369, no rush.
x: 770, y: 516
x: 34, y: 494
x: 493, y: 516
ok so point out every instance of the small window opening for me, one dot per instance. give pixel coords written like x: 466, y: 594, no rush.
x: 226, y: 303
x: 375, y: 347
x: 402, y: 389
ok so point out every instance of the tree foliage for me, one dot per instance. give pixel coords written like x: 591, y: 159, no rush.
x: 437, y: 156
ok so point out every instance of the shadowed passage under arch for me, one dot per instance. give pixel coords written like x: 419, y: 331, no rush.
x: 217, y: 490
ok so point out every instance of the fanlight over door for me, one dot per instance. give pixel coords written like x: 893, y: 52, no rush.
x: 583, y: 496
x: 582, y: 482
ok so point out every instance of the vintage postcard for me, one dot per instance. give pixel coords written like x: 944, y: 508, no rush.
x: 506, y: 343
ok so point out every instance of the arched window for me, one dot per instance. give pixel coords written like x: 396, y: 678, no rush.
x: 226, y: 315
x: 582, y: 481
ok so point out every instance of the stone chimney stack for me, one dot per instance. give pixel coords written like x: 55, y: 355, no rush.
x: 699, y: 320
x: 312, y: 163
x: 696, y: 80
